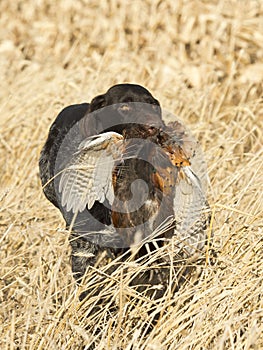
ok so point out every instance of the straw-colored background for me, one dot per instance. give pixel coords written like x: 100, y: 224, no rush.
x: 203, y: 60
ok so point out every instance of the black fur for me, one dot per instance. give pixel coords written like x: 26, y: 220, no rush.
x: 92, y: 121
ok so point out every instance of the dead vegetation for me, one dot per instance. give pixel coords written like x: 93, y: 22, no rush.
x: 203, y: 61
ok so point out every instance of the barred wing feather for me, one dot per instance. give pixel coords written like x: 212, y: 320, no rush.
x: 88, y: 177
x: 190, y: 208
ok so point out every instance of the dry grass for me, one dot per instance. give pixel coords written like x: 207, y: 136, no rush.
x: 203, y: 61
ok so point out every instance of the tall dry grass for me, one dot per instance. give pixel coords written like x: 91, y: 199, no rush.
x: 204, y: 61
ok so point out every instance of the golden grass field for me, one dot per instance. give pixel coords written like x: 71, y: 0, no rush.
x: 203, y: 60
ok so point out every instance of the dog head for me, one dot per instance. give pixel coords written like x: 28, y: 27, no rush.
x: 124, y: 104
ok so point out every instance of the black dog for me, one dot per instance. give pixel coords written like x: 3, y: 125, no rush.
x: 92, y: 202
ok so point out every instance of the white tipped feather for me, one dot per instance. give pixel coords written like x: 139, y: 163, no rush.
x: 88, y: 178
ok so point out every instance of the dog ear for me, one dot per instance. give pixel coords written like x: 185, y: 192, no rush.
x: 97, y: 103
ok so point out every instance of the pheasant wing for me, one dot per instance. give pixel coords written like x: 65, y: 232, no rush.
x: 88, y: 177
x: 191, y: 209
